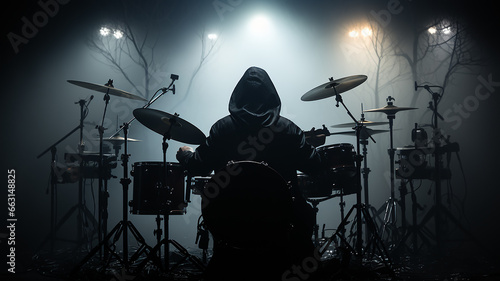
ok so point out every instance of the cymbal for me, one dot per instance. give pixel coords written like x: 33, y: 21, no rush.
x: 365, y: 123
x: 106, y: 89
x: 365, y: 133
x: 327, y: 90
x: 163, y: 123
x: 118, y: 140
x: 390, y: 109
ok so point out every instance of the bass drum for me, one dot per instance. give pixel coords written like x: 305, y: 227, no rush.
x: 249, y: 209
x: 247, y: 204
x: 150, y: 197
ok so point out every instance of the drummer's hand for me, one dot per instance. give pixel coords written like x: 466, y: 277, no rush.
x: 186, y: 148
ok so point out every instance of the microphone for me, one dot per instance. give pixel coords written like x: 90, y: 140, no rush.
x: 173, y: 89
x: 416, y: 86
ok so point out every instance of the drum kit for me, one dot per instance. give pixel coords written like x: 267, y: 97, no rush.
x: 161, y: 188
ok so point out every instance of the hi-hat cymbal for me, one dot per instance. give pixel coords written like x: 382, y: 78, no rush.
x: 390, y: 109
x: 165, y: 123
x: 364, y: 134
x: 327, y: 90
x: 364, y: 123
x: 106, y: 89
x: 118, y: 140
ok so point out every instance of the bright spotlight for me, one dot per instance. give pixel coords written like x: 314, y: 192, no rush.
x: 104, y: 31
x: 366, y: 32
x: 353, y: 33
x: 260, y: 24
x: 447, y: 30
x: 117, y: 34
x: 432, y: 30
x: 212, y: 36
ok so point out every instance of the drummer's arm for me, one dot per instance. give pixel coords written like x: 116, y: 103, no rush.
x: 197, y: 162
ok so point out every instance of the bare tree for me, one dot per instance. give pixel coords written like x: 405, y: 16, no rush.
x: 131, y: 44
x: 385, y: 70
x: 438, y: 51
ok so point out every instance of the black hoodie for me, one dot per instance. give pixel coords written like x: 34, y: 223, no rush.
x: 255, y: 101
x: 254, y: 131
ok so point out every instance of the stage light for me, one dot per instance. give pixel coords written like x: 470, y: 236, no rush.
x: 366, y: 32
x: 260, y: 24
x: 432, y: 30
x: 212, y: 36
x: 353, y: 33
x: 447, y: 30
x: 104, y: 31
x: 117, y: 34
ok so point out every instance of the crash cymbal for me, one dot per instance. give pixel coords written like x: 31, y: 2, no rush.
x: 162, y: 123
x: 390, y: 109
x: 327, y: 90
x: 106, y: 89
x: 365, y: 123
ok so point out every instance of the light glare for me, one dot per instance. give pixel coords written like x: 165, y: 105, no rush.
x: 432, y: 30
x: 366, y: 32
x: 212, y: 36
x: 353, y: 33
x: 104, y: 31
x: 118, y: 34
x: 260, y: 24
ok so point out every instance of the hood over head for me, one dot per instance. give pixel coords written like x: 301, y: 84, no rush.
x: 254, y: 100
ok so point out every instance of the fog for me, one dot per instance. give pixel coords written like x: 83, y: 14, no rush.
x: 301, y: 46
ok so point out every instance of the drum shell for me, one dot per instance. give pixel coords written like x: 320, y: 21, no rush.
x: 246, y: 204
x: 341, y: 172
x: 150, y: 197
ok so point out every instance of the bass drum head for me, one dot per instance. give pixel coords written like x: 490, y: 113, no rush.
x: 247, y: 205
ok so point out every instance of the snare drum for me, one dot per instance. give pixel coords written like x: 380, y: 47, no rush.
x: 151, y: 196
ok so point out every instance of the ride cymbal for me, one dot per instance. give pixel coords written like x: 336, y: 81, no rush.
x: 164, y: 123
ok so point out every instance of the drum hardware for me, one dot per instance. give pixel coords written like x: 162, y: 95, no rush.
x: 117, y: 141
x: 330, y: 89
x: 390, y: 206
x: 83, y: 213
x: 438, y: 211
x: 122, y: 228
x: 315, y: 203
x: 169, y: 127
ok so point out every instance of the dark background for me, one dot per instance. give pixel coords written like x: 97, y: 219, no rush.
x: 38, y: 104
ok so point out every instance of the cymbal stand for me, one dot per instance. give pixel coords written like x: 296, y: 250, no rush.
x: 125, y: 224
x: 360, y: 208
x: 364, y: 135
x: 390, y: 205
x: 122, y: 228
